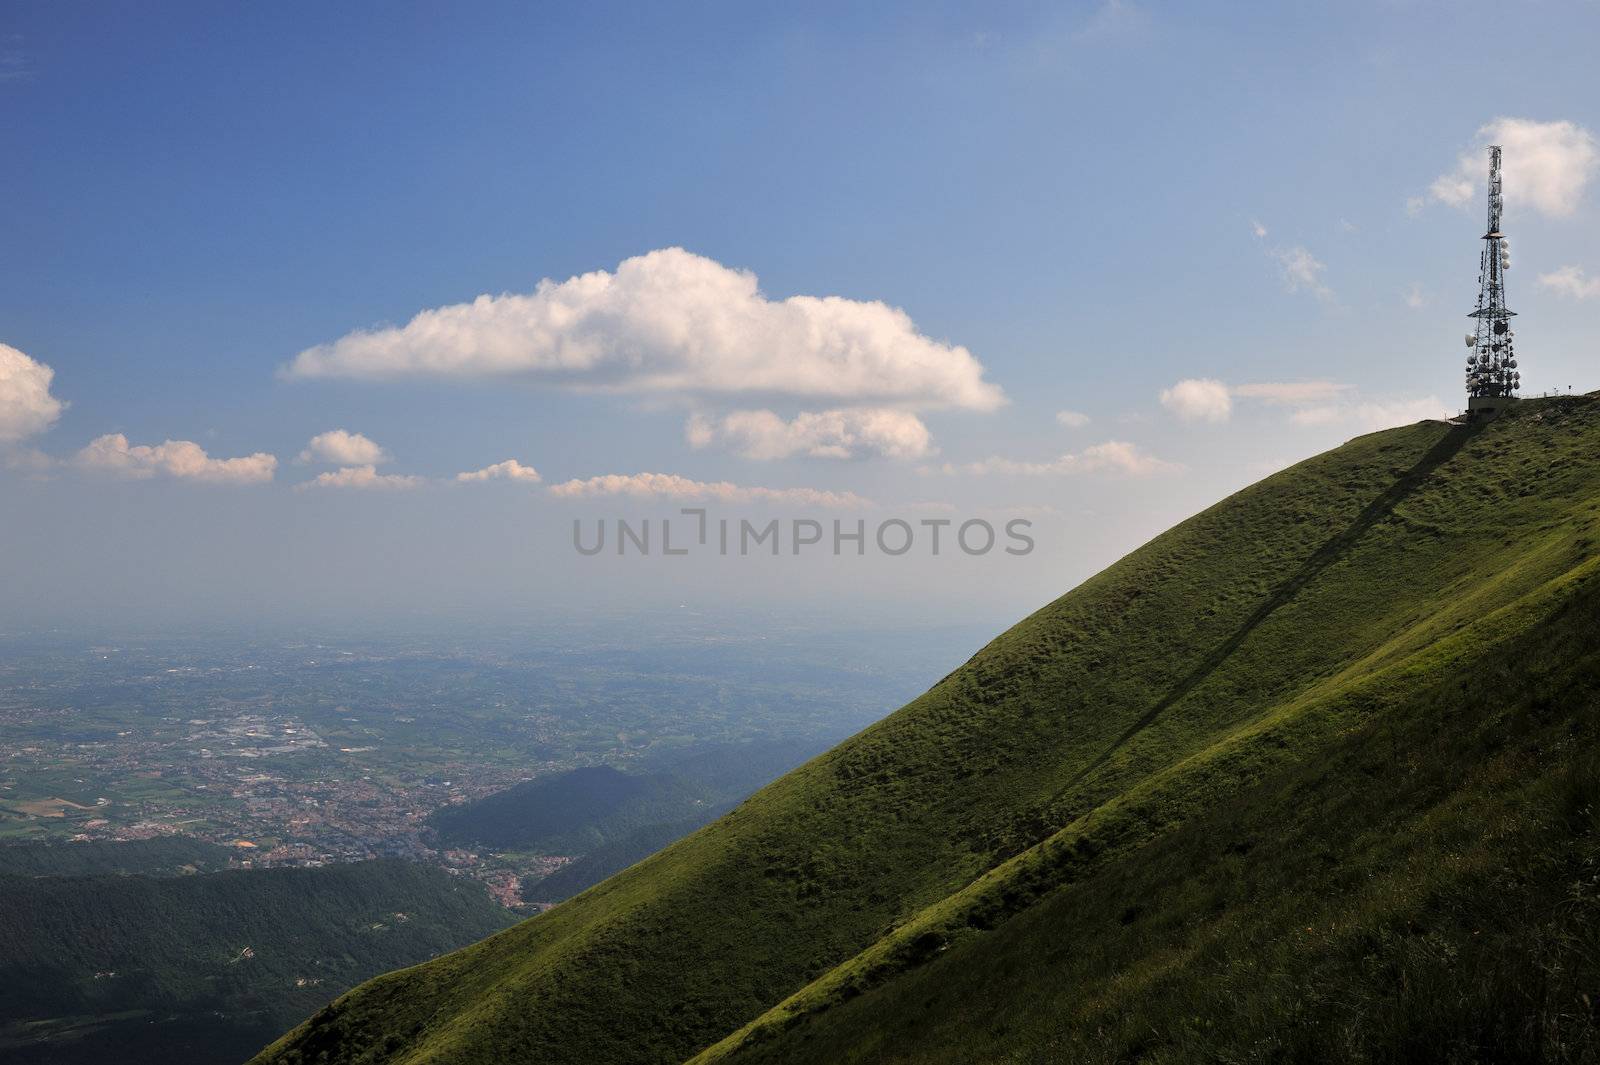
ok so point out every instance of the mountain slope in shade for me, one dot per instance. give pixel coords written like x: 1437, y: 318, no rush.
x: 1397, y: 591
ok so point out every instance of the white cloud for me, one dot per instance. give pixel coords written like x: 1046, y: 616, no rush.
x: 671, y: 486
x: 362, y: 477
x: 509, y: 470
x: 337, y: 447
x: 1313, y: 403
x: 26, y: 406
x: 1571, y: 281
x: 1199, y: 399
x: 1113, y: 456
x: 1072, y: 419
x: 174, y: 458
x: 1546, y: 166
x: 837, y: 434
x: 672, y: 321
x: 1302, y: 271
x: 1455, y: 189
x: 1290, y: 393
x: 1374, y: 414
x: 1414, y: 297
x: 1258, y: 230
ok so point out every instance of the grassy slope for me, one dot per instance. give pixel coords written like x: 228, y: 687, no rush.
x: 611, y: 859
x: 1426, y: 889
x: 1255, y: 637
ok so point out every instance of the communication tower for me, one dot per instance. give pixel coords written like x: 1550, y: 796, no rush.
x: 1492, y: 377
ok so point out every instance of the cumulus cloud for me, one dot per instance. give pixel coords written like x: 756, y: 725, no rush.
x: 1258, y: 230
x: 361, y: 477
x: 183, y: 459
x: 1113, y: 456
x: 1302, y: 271
x: 1072, y: 419
x: 1546, y: 167
x: 1571, y: 281
x: 509, y: 470
x: 1370, y: 415
x: 671, y: 321
x: 671, y: 486
x: 1199, y: 399
x: 26, y: 406
x: 336, y: 447
x: 834, y: 434
x: 1414, y: 297
x: 1312, y: 403
x: 1206, y: 399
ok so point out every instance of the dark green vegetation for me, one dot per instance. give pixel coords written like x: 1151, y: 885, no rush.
x: 205, y: 968
x: 568, y: 813
x: 580, y: 810
x: 1312, y: 776
x: 614, y: 818
x: 162, y: 856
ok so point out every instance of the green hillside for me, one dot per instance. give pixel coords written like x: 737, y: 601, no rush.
x: 206, y: 967
x: 610, y: 859
x: 1311, y: 764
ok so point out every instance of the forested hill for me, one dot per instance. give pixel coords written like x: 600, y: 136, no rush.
x: 1310, y: 776
x: 161, y: 856
x: 568, y: 813
x: 207, y: 968
x: 583, y: 810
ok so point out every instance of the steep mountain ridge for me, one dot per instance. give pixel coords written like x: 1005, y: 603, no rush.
x: 1245, y: 642
x: 1426, y: 889
x: 1170, y: 802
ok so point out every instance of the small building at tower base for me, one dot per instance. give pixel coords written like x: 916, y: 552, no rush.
x: 1488, y: 406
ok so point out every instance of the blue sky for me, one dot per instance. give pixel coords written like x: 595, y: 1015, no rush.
x: 1076, y: 206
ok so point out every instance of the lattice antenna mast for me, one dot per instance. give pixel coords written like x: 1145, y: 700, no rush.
x: 1492, y: 366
